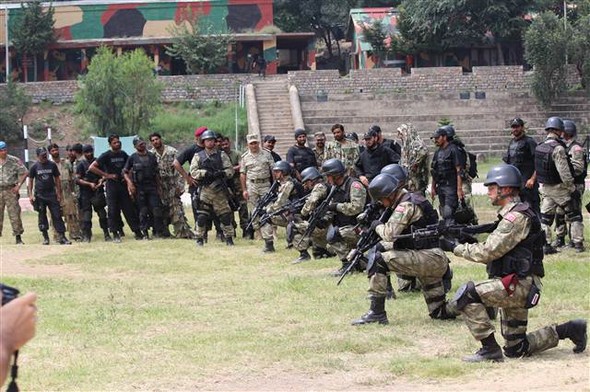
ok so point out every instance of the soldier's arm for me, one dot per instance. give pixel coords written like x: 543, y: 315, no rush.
x: 577, y: 159
x: 95, y: 168
x: 23, y: 176
x: 358, y: 197
x: 58, y: 189
x: 227, y: 165
x: 285, y: 191
x: 319, y: 192
x: 197, y: 173
x: 183, y: 172
x: 403, y: 216
x: 561, y: 163
x: 30, y: 186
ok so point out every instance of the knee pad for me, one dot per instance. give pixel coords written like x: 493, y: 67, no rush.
x: 225, y: 219
x: 547, y: 219
x: 466, y: 295
x: 518, y: 350
x: 376, y: 264
x: 572, y: 212
x: 559, y: 220
x: 333, y: 235
x: 202, y: 219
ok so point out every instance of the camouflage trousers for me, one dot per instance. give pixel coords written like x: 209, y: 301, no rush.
x: 427, y: 265
x: 10, y: 201
x: 514, y: 317
x: 255, y: 192
x: 174, y: 210
x: 559, y: 196
x: 563, y: 226
x: 213, y: 201
x: 346, y: 242
x: 69, y: 208
x: 317, y: 239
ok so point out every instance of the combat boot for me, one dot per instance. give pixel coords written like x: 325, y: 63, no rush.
x: 62, y: 239
x: 490, y: 351
x: 19, y: 240
x: 116, y: 237
x: 549, y: 250
x: 200, y: 242
x: 376, y: 313
x: 269, y: 246
x: 138, y: 235
x: 219, y: 236
x: 145, y: 234
x: 87, y: 235
x: 107, y: 237
x: 559, y: 242
x: 578, y: 247
x: 303, y: 256
x: 341, y: 270
x: 229, y: 241
x: 45, y: 237
x: 576, y: 331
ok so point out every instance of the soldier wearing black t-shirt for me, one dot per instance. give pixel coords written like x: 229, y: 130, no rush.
x: 109, y: 165
x: 44, y: 174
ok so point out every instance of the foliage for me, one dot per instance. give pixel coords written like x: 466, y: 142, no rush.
x: 14, y: 104
x: 579, y: 49
x: 546, y: 45
x: 202, y: 49
x: 119, y: 94
x: 382, y: 42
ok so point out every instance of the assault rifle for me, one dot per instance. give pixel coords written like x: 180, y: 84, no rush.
x: 318, y: 213
x: 265, y: 200
x: 292, y: 207
x: 217, y: 176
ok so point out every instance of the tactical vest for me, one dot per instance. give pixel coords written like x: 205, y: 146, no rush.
x: 544, y: 165
x: 580, y: 179
x: 342, y: 195
x: 429, y: 217
x: 211, y: 162
x: 443, y: 167
x: 520, y: 155
x: 144, y: 169
x: 526, y: 258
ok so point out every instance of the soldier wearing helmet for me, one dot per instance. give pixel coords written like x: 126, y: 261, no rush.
x: 421, y: 258
x: 579, y: 165
x: 555, y: 176
x: 513, y: 254
x: 210, y: 168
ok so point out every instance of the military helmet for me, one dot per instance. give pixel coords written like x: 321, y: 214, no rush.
x: 333, y: 167
x: 208, y: 134
x: 282, y: 166
x: 310, y: 173
x: 504, y: 175
x: 382, y: 186
x: 569, y: 127
x: 398, y: 171
x: 449, y: 130
x: 554, y: 123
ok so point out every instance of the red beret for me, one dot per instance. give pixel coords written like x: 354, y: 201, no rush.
x: 199, y: 131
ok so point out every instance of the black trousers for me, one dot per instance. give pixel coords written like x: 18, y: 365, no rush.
x: 448, y: 200
x: 150, y: 209
x: 532, y: 197
x: 118, y: 200
x: 49, y: 201
x: 93, y: 200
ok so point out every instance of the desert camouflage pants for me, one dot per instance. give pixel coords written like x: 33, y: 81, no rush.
x: 255, y: 192
x: 427, y: 265
x: 513, y: 315
x: 555, y: 197
x: 563, y: 226
x: 174, y: 210
x: 69, y: 208
x: 213, y: 201
x: 317, y: 239
x: 10, y: 201
x: 347, y: 241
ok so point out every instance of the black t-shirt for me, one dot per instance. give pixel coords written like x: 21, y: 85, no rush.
x: 86, y: 175
x: 188, y: 153
x: 113, y: 163
x: 370, y: 162
x: 144, y: 168
x: 44, y: 175
x: 301, y: 158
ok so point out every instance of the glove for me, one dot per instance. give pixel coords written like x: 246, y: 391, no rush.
x: 332, y: 207
x: 448, y: 244
x: 375, y: 223
x: 379, y: 247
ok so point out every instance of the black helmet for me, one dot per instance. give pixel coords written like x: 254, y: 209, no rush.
x: 504, y: 175
x: 333, y: 167
x: 569, y: 127
x: 208, y: 134
x: 299, y: 132
x: 382, y: 186
x: 554, y: 123
x: 398, y: 171
x: 449, y: 130
x: 282, y: 166
x: 441, y: 131
x: 310, y: 173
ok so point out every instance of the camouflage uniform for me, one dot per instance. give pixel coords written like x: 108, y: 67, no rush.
x: 414, y: 157
x: 172, y: 187
x: 318, y: 236
x: 257, y: 169
x: 320, y: 155
x: 10, y: 172
x: 285, y: 193
x: 347, y: 151
x: 427, y: 262
x: 69, y: 200
x: 235, y: 158
x: 514, y: 227
x: 212, y: 199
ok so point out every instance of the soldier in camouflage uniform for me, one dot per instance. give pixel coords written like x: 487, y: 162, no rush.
x: 348, y: 201
x: 255, y: 179
x: 289, y: 190
x: 557, y: 183
x: 13, y: 174
x: 210, y: 168
x: 345, y: 150
x: 414, y: 158
x: 235, y: 157
x: 579, y: 165
x: 319, y: 149
x: 513, y: 254
x: 421, y: 258
x: 172, y: 188
x: 69, y: 203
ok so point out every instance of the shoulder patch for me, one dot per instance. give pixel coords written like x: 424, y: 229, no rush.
x: 510, y: 217
x: 357, y: 185
x: 577, y: 148
x: 399, y: 208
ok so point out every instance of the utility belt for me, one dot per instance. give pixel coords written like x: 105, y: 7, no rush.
x: 259, y: 180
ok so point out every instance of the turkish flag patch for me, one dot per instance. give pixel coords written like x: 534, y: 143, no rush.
x: 510, y: 217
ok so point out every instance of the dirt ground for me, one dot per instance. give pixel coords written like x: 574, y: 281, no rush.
x: 554, y: 370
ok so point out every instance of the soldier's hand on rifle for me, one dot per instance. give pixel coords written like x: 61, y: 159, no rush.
x: 379, y: 247
x: 448, y: 244
x: 190, y: 180
x: 375, y: 223
x: 332, y: 206
x: 530, y: 183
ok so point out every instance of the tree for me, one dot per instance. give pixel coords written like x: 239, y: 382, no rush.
x: 580, y: 50
x: 546, y: 43
x: 119, y: 94
x: 382, y: 42
x: 33, y: 32
x: 14, y: 104
x: 202, y: 49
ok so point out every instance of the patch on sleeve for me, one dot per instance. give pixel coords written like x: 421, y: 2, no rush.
x: 400, y: 209
x: 510, y: 217
x: 577, y: 148
x: 357, y: 185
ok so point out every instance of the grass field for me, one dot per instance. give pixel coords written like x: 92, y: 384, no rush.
x: 166, y: 315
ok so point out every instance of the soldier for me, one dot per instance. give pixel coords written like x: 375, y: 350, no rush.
x: 579, y: 165
x: 91, y: 196
x: 513, y: 254
x: 13, y: 174
x: 289, y: 190
x: 210, y: 168
x: 420, y: 258
x: 314, y: 182
x: 44, y: 176
x: 109, y: 165
x: 143, y: 184
x: 172, y: 188
x: 521, y: 154
x: 374, y: 158
x: 342, y: 149
x: 349, y: 200
x: 447, y: 181
x: 269, y: 145
x: 557, y: 183
x: 236, y: 188
x: 300, y: 157
x: 414, y: 157
x: 69, y: 205
x: 255, y: 179
x: 319, y: 150
x: 389, y: 143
